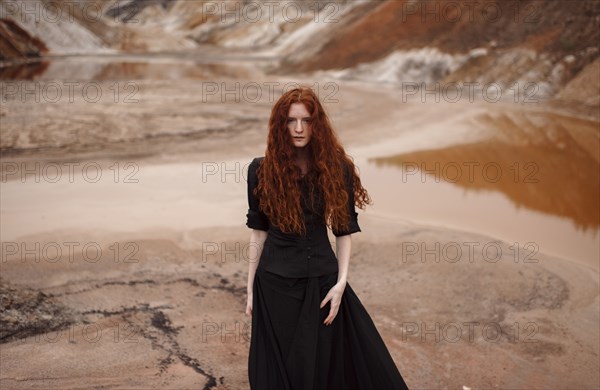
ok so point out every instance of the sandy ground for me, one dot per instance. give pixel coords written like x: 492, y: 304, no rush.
x: 156, y: 273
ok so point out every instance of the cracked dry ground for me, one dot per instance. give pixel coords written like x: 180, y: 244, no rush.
x: 161, y: 319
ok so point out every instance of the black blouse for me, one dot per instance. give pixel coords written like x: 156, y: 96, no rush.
x: 291, y: 254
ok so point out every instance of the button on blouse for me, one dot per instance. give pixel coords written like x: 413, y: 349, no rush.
x: 292, y: 254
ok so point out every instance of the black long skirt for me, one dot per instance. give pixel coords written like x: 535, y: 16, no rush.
x: 291, y: 348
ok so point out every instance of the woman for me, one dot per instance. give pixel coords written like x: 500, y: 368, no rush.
x: 309, y: 329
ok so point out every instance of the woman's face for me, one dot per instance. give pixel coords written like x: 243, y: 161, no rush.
x: 299, y: 125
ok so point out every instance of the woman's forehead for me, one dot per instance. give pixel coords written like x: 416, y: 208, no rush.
x: 298, y: 110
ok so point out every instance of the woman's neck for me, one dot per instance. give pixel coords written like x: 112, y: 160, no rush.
x: 302, y: 159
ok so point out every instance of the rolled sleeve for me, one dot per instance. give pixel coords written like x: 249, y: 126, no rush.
x: 255, y: 218
x: 353, y: 226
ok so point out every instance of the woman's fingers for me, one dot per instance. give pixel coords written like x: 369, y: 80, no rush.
x: 335, y: 296
x: 334, y: 306
x: 332, y: 313
x: 249, y: 305
x: 326, y: 299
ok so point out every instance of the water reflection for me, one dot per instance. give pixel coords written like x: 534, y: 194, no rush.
x: 28, y: 71
x: 518, y: 193
x: 546, y: 180
x: 173, y: 66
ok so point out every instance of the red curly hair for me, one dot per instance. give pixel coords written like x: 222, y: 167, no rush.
x: 278, y: 176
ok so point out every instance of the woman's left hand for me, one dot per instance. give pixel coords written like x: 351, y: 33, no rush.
x: 335, y: 296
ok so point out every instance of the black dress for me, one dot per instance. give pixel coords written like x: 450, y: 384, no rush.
x: 290, y: 347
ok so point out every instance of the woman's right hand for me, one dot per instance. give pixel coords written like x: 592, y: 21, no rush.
x: 249, y: 305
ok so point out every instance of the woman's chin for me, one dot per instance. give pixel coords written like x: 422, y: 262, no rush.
x: 300, y: 145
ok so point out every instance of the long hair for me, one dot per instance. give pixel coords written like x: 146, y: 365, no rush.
x: 278, y: 188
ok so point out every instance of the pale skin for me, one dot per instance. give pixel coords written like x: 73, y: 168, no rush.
x: 300, y: 129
